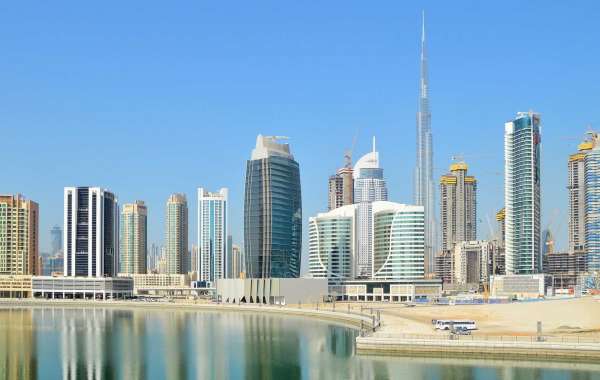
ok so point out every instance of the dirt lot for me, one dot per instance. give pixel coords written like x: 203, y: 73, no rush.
x: 559, y: 317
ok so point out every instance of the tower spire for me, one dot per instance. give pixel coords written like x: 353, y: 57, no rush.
x: 374, y: 150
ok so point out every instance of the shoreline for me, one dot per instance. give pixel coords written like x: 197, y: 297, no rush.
x: 350, y: 320
x: 378, y: 343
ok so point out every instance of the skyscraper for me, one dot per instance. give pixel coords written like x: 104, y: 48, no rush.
x: 576, y: 190
x: 424, y: 191
x: 592, y: 209
x: 237, y: 261
x: 458, y: 206
x: 341, y: 188
x: 91, y: 232
x: 56, y: 236
x: 19, y: 235
x: 213, y: 229
x: 331, y: 245
x: 522, y: 193
x: 398, y: 241
x: 134, y: 238
x: 272, y: 211
x: 369, y: 187
x: 176, y: 234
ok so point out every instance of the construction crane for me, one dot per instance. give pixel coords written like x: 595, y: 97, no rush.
x: 348, y: 152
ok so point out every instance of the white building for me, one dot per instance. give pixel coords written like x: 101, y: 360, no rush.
x: 522, y: 194
x: 398, y: 241
x: 91, y: 232
x: 369, y: 186
x: 472, y: 261
x: 213, y: 230
x: 331, y: 245
x: 397, y: 244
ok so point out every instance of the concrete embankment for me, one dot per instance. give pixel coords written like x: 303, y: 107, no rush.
x: 354, y: 320
x: 479, y: 347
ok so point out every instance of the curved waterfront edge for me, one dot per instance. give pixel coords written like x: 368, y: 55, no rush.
x: 351, y: 320
x: 478, y: 349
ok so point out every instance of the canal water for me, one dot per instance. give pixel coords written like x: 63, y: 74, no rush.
x: 107, y: 343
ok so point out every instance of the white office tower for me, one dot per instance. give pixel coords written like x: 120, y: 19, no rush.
x: 331, y: 244
x: 398, y: 241
x: 369, y: 186
x: 91, y: 232
x: 213, y: 231
x: 522, y: 194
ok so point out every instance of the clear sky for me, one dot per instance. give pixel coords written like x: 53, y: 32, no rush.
x: 151, y: 98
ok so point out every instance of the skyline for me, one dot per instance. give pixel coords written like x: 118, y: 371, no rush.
x: 566, y: 108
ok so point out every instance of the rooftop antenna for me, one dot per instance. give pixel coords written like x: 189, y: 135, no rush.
x: 374, y: 150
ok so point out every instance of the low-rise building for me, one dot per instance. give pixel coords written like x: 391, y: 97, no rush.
x: 520, y: 286
x: 15, y: 286
x: 388, y: 290
x: 81, y: 287
x: 159, y: 284
x: 272, y: 291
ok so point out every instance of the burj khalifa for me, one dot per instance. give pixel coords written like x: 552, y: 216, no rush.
x: 424, y: 191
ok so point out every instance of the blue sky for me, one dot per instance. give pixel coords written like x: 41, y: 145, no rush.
x: 150, y: 98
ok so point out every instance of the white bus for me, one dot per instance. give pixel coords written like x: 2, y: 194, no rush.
x: 459, y: 324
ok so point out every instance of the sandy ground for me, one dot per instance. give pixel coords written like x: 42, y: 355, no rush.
x: 579, y: 316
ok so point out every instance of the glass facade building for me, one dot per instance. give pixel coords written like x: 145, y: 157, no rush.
x: 331, y: 244
x: 592, y: 209
x: 91, y: 232
x: 272, y: 211
x: 213, y: 242
x: 398, y: 241
x: 522, y: 194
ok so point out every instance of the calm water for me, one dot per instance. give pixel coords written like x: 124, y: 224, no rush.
x: 98, y: 343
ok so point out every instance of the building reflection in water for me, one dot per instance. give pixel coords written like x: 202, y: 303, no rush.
x: 17, y: 345
x: 99, y: 343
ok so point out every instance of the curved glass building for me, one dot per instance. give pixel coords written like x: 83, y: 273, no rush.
x: 398, y: 241
x: 331, y: 244
x: 272, y: 211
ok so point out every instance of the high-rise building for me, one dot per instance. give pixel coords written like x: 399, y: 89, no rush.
x: 341, y: 188
x: 19, y: 235
x: 501, y: 219
x: 522, y: 193
x: 576, y: 190
x: 472, y: 262
x: 398, y: 241
x: 458, y: 206
x: 213, y: 230
x: 331, y: 246
x: 195, y: 258
x: 154, y: 257
x: 91, y: 232
x: 237, y: 262
x: 56, y: 236
x: 176, y: 234
x: 272, y: 211
x: 424, y: 191
x: 369, y: 187
x: 134, y: 238
x: 592, y: 209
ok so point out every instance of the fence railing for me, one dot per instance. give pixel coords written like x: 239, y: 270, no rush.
x: 492, y: 338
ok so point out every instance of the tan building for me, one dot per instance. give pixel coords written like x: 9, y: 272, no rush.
x: 176, y: 242
x: 458, y: 205
x: 576, y: 190
x: 134, y: 238
x: 341, y: 188
x: 19, y: 236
